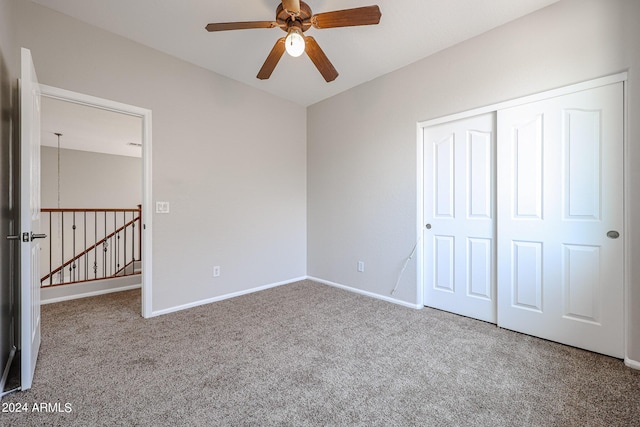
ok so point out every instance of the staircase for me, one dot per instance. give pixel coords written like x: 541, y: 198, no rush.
x: 84, y: 245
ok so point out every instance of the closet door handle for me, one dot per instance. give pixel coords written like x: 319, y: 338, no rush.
x: 613, y: 234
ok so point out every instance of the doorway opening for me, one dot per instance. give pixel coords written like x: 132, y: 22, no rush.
x: 91, y: 200
x: 112, y: 132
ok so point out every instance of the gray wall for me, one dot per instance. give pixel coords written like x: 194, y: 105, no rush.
x: 9, y: 63
x: 90, y: 180
x: 362, y: 143
x: 237, y: 187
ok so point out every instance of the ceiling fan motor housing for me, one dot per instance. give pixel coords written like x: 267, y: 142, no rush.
x: 285, y: 20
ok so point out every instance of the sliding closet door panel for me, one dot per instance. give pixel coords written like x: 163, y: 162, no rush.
x: 459, y: 244
x: 560, y: 219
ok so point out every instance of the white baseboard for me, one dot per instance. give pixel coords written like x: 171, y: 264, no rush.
x: 88, y: 289
x: 223, y: 297
x: 273, y: 285
x: 367, y: 293
x: 633, y: 364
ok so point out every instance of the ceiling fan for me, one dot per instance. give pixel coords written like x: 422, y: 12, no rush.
x: 295, y: 17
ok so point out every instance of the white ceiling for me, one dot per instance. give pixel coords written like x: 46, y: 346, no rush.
x: 408, y: 31
x: 89, y: 129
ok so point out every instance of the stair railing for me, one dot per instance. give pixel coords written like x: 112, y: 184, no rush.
x: 90, y: 244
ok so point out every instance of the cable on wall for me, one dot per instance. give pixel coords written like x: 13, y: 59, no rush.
x: 406, y: 262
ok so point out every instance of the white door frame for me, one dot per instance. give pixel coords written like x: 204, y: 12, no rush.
x: 145, y: 115
x: 420, y: 221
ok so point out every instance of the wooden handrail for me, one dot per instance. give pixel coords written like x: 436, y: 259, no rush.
x: 101, y: 241
x: 90, y: 209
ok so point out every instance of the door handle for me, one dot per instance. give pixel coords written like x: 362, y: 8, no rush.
x: 613, y: 234
x: 428, y: 226
x: 26, y: 238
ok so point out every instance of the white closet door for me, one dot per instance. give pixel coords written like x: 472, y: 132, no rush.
x: 560, y: 219
x: 459, y: 217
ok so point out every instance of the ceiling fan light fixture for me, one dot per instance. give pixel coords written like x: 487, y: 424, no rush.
x: 294, y: 43
x: 295, y: 17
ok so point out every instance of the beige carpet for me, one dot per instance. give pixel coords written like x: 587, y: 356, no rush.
x: 308, y: 354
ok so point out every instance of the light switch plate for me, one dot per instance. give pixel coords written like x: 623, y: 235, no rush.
x: 162, y: 207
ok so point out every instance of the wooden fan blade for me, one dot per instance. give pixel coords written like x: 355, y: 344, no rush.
x: 368, y: 15
x: 225, y: 26
x: 319, y: 59
x: 291, y: 6
x: 272, y: 60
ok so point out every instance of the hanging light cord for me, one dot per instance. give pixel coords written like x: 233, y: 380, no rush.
x: 60, y: 280
x: 59, y: 213
x: 58, y: 135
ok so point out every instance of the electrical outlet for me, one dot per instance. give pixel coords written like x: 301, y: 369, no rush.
x: 361, y: 266
x: 216, y: 271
